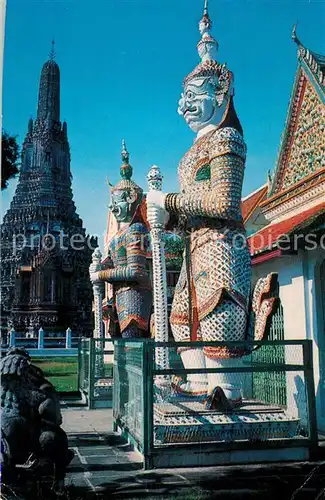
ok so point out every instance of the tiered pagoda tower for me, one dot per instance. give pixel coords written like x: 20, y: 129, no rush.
x: 45, y: 251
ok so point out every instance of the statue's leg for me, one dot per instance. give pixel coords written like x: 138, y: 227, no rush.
x: 227, y: 322
x: 197, y: 383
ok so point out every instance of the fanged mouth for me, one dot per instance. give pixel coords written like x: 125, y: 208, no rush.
x: 116, y: 211
x: 193, y: 112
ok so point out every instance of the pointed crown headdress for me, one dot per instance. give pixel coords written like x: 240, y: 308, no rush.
x: 126, y: 183
x: 207, y: 47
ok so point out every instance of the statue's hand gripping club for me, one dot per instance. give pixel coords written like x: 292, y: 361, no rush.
x: 156, y: 212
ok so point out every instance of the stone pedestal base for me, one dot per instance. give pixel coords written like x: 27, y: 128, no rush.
x: 189, y: 422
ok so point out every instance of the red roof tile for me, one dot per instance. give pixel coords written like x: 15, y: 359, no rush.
x: 250, y: 203
x: 266, y: 238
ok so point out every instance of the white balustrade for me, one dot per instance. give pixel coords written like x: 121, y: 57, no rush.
x: 12, y: 338
x: 68, y: 338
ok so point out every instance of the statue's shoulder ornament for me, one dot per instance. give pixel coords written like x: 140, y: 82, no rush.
x: 227, y: 140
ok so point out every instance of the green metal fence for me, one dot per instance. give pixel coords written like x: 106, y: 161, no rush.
x: 271, y: 386
x: 130, y: 389
x: 95, y: 372
x: 136, y: 395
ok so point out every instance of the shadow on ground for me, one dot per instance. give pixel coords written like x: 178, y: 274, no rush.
x: 243, y: 484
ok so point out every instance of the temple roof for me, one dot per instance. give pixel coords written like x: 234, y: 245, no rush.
x: 302, y: 146
x: 252, y: 201
x: 267, y: 238
x: 320, y: 61
x: 314, y: 61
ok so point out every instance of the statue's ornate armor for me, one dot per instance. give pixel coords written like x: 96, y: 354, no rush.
x: 128, y: 273
x: 209, y: 208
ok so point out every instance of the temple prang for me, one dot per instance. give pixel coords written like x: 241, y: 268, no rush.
x: 45, y: 250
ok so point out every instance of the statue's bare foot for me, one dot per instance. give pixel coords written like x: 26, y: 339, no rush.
x: 190, y: 389
x: 217, y: 400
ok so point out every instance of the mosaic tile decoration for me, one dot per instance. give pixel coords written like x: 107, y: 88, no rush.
x: 188, y: 422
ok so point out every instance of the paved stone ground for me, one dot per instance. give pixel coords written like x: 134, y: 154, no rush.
x: 105, y: 467
x: 80, y: 420
x: 101, y: 456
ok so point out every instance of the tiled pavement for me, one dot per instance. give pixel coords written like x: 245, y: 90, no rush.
x: 105, y: 467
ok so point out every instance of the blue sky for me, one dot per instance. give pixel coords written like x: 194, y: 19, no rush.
x: 122, y: 65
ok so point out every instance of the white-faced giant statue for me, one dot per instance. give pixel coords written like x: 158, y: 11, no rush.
x: 212, y: 296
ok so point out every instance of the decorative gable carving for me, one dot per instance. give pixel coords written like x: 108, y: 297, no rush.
x: 307, y: 152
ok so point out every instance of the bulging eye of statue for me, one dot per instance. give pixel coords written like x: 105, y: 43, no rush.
x: 189, y: 94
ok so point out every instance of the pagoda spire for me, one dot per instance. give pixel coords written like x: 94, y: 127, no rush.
x: 52, y: 51
x: 41, y: 209
x: 49, y: 91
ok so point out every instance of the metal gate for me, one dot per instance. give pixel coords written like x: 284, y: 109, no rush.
x: 270, y: 387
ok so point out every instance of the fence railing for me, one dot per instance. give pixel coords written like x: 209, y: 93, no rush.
x: 95, y: 372
x: 136, y: 395
x: 88, y: 368
x: 41, y: 341
x: 59, y: 366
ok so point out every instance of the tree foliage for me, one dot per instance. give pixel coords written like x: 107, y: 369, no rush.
x: 9, y: 158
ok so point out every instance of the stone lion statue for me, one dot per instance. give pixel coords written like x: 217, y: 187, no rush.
x: 31, y: 436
